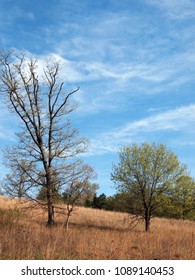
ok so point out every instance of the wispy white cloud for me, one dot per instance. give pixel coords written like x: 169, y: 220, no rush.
x: 120, y: 50
x: 115, y: 83
x: 175, y: 120
x: 162, y: 70
x: 178, y: 120
x: 176, y: 9
x: 14, y: 13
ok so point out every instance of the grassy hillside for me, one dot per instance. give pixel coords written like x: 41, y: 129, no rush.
x: 93, y: 234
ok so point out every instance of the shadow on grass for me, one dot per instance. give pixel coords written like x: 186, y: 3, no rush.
x: 96, y: 227
x: 89, y: 225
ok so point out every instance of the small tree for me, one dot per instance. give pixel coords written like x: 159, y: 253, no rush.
x: 146, y: 172
x: 77, y: 188
x: 89, y: 193
x: 47, y: 141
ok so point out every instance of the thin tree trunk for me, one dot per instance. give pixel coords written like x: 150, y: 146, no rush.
x: 147, y: 221
x: 69, y: 210
x: 67, y: 221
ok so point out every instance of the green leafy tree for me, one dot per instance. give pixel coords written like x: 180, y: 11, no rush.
x: 166, y: 208
x: 182, y: 197
x: 146, y: 172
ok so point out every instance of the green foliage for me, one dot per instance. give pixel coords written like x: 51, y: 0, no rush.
x: 146, y: 172
x: 80, y: 193
x: 120, y: 202
x: 56, y: 196
x: 99, y: 202
x: 182, y: 197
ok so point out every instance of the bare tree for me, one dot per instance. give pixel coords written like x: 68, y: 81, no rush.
x: 16, y: 183
x: 77, y: 188
x: 47, y: 141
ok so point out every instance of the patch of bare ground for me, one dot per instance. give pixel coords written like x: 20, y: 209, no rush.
x: 93, y: 234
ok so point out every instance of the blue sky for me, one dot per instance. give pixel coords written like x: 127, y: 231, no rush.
x: 134, y: 61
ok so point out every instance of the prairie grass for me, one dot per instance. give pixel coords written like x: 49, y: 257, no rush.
x: 93, y: 234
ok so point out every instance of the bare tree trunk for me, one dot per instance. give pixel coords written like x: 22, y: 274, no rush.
x: 147, y: 221
x: 147, y: 225
x: 69, y: 210
x: 50, y: 206
x: 66, y: 225
x: 50, y: 221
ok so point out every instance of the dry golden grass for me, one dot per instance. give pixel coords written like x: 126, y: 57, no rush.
x: 93, y: 234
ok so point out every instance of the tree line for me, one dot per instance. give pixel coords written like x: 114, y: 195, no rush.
x: 178, y: 203
x: 45, y: 167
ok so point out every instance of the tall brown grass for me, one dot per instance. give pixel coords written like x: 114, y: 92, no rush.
x: 93, y: 234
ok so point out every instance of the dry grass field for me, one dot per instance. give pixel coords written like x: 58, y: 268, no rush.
x: 93, y: 234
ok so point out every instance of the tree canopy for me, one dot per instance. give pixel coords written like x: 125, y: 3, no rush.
x: 47, y: 142
x: 146, y: 172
